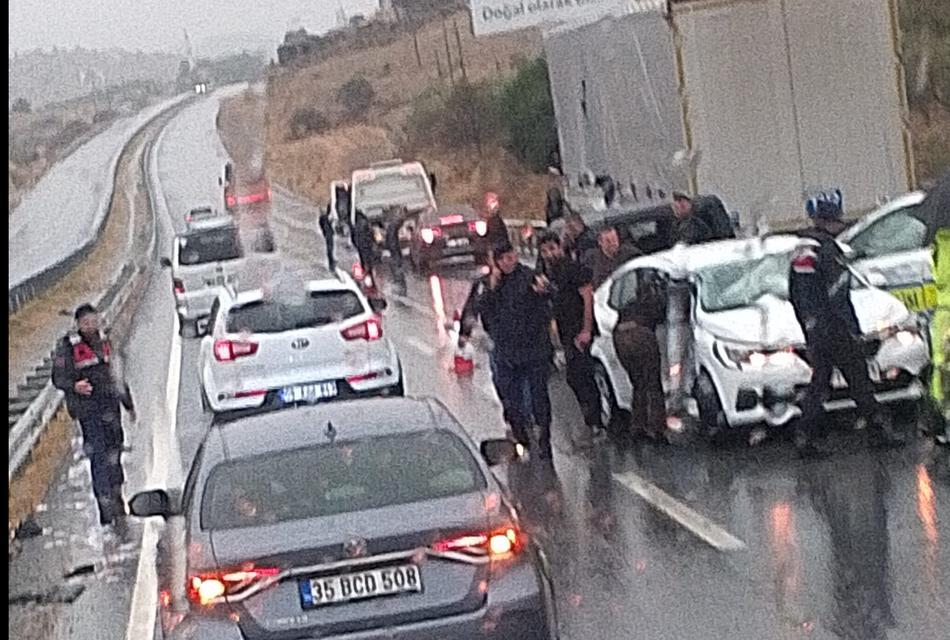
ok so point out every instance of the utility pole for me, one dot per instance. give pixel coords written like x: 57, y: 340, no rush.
x: 458, y: 43
x: 448, y: 53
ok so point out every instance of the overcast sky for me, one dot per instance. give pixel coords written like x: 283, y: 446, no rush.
x: 154, y: 25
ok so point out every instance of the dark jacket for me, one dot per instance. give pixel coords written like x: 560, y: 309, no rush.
x: 602, y: 266
x: 81, y: 358
x: 497, y: 231
x: 554, y: 205
x: 473, y: 309
x: 820, y: 290
x: 519, y: 318
x: 326, y: 227
x: 579, y: 246
x: 713, y: 214
x: 691, y: 230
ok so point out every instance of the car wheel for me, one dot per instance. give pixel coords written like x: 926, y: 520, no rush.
x: 611, y: 415
x: 712, y: 417
x: 187, y: 328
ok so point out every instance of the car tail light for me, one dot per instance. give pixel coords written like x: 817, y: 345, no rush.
x: 498, y: 544
x: 205, y: 588
x: 358, y: 271
x: 179, y: 286
x: 429, y: 234
x: 479, y: 226
x: 228, y: 350
x: 369, y: 330
x: 456, y: 219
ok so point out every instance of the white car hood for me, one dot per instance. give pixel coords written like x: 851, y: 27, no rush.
x: 771, y: 322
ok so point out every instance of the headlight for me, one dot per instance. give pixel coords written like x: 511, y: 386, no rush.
x: 746, y: 358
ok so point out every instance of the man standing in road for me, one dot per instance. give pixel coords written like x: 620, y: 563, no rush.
x: 396, y: 217
x: 608, y: 255
x: 578, y: 238
x: 82, y: 370
x: 517, y: 302
x: 820, y: 292
x: 638, y: 351
x: 572, y: 298
x: 326, y: 227
x: 497, y: 231
x: 688, y: 228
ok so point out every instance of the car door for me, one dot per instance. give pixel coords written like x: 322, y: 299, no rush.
x: 891, y: 253
x: 609, y: 299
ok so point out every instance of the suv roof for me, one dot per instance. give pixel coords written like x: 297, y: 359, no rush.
x: 307, y: 426
x: 207, y: 224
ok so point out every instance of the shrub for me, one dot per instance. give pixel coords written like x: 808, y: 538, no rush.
x: 526, y: 110
x: 356, y: 97
x: 465, y: 116
x: 306, y: 122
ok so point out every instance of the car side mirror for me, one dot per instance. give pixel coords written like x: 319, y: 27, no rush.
x: 498, y: 451
x: 151, y: 503
x: 378, y: 305
x: 166, y: 263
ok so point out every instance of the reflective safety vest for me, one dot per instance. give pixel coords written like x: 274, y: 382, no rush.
x: 940, y: 321
x: 85, y: 356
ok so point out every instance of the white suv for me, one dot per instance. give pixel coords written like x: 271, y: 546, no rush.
x: 732, y: 349
x: 304, y: 344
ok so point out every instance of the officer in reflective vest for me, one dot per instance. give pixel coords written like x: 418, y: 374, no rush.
x: 82, y: 369
x: 820, y: 292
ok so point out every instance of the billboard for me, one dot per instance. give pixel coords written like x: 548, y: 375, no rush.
x: 498, y: 16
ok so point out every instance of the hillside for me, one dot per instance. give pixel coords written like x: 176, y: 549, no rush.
x: 307, y: 163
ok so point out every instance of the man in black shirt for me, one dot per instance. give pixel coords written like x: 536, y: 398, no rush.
x: 516, y: 303
x: 578, y: 238
x: 688, y: 227
x: 497, y: 232
x: 572, y: 297
x: 608, y: 255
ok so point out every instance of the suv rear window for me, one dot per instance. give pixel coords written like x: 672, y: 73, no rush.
x: 343, y: 477
x: 273, y: 316
x: 212, y: 245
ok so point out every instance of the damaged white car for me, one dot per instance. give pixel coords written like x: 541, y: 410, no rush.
x: 733, y: 351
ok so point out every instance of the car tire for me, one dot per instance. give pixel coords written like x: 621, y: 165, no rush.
x: 612, y: 416
x: 187, y: 328
x: 712, y: 417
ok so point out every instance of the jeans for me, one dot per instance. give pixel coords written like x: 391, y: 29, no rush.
x: 513, y: 380
x: 102, y: 443
x: 525, y: 391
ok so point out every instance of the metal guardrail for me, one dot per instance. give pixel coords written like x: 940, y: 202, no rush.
x: 28, y: 428
x: 39, y: 283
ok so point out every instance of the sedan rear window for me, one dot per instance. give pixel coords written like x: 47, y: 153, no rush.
x: 273, y: 316
x: 343, y: 477
x: 213, y: 245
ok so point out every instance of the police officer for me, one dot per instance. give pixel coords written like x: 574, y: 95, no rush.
x: 82, y: 369
x: 396, y: 219
x: 820, y: 292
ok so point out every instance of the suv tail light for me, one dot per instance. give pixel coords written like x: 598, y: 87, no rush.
x: 479, y: 226
x: 369, y: 330
x: 205, y: 588
x: 178, y: 286
x: 498, y: 544
x: 429, y: 234
x: 228, y: 350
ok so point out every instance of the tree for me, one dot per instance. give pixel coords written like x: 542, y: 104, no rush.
x: 21, y: 105
x: 527, y: 111
x: 356, y: 97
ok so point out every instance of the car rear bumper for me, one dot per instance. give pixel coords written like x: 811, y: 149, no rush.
x: 382, y: 384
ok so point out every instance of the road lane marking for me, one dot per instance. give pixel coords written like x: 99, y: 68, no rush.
x: 143, y: 612
x: 700, y: 526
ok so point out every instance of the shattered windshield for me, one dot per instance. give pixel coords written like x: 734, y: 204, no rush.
x: 741, y: 283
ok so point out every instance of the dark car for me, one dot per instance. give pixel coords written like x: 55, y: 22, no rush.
x: 650, y: 228
x: 450, y: 232
x: 370, y: 519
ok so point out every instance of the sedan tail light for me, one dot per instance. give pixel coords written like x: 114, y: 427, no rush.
x: 497, y: 544
x: 479, y: 226
x: 228, y: 350
x: 369, y: 330
x: 178, y: 286
x: 205, y: 588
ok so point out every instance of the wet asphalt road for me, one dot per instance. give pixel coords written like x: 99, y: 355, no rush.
x: 853, y: 547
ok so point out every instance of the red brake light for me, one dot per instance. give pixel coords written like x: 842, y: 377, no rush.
x: 369, y: 330
x: 497, y: 544
x: 230, y: 200
x: 479, y: 226
x: 358, y: 272
x: 205, y: 588
x: 178, y: 285
x: 228, y: 350
x: 456, y: 219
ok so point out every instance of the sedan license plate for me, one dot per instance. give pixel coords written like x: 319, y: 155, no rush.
x: 361, y: 585
x: 457, y: 242
x: 309, y: 392
x: 921, y: 298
